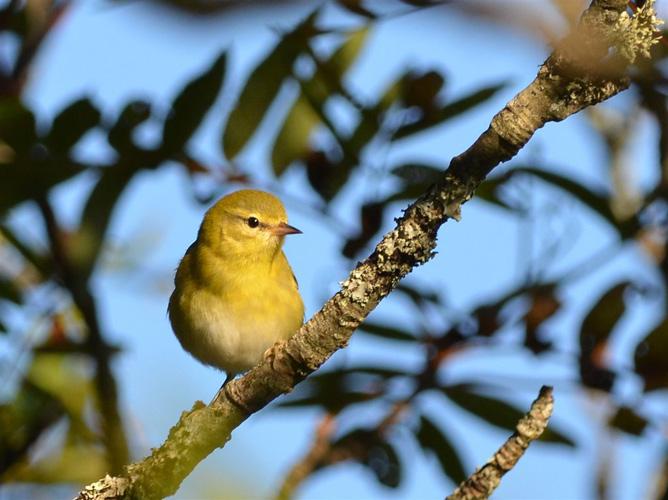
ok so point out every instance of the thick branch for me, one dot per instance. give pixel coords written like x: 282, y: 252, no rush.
x: 577, y: 75
x: 531, y: 426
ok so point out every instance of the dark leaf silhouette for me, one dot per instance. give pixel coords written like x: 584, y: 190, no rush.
x: 131, y: 116
x: 263, y: 85
x: 448, y: 111
x: 594, y: 333
x: 433, y: 439
x: 371, y: 218
x: 627, y: 420
x: 191, y: 106
x: 599, y: 203
x: 387, y: 332
x: 17, y: 125
x: 71, y: 124
x: 496, y: 412
x: 650, y: 358
x: 369, y: 448
x: 292, y: 142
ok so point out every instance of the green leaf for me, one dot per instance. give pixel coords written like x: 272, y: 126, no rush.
x: 596, y: 202
x: 63, y: 376
x: 134, y: 113
x: 650, y: 358
x: 292, y: 142
x: 627, y: 420
x: 496, y: 412
x: 448, y: 111
x: 387, y: 332
x: 86, y: 244
x: 17, y: 125
x: 262, y: 87
x: 293, y: 139
x: 433, y: 439
x: 71, y: 125
x: 191, y: 106
x: 372, y: 118
x: 23, y: 421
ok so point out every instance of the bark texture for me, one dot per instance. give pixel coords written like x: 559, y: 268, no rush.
x: 584, y: 70
x: 485, y: 480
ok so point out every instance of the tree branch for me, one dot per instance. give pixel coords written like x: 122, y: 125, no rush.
x: 586, y: 69
x: 485, y: 480
x: 307, y: 465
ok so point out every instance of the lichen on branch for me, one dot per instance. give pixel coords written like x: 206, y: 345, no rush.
x: 579, y: 73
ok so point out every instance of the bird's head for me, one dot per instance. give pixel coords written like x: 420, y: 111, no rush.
x: 246, y: 223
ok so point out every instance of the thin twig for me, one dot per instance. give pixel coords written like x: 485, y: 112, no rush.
x: 113, y: 434
x: 485, y: 480
x: 311, y: 461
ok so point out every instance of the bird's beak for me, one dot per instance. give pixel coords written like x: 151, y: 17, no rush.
x: 282, y: 229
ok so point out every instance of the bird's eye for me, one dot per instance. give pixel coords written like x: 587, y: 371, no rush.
x: 253, y: 222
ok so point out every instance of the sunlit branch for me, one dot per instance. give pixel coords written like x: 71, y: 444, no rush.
x: 586, y: 69
x: 485, y: 480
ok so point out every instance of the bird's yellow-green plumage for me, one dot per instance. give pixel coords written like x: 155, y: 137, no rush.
x: 235, y: 294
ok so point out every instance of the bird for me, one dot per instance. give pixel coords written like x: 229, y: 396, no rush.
x: 235, y: 294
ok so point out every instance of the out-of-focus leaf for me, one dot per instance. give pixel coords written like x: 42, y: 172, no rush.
x: 74, y: 463
x: 627, y: 420
x: 17, y: 125
x: 14, y: 19
x: 22, y: 422
x: 333, y: 402
x: 448, y: 111
x: 418, y: 296
x: 369, y: 448
x: 421, y: 90
x: 432, y: 438
x: 71, y: 125
x: 597, y: 202
x: 191, y: 106
x: 293, y: 139
x: 9, y: 290
x: 66, y: 380
x: 41, y: 262
x: 387, y: 332
x: 594, y: 333
x: 383, y: 460
x: 292, y: 142
x: 86, y: 244
x: 372, y: 118
x: 263, y: 85
x: 650, y: 358
x: 325, y: 176
x: 134, y: 113
x: 371, y: 218
x: 357, y: 7
x: 496, y: 412
x: 544, y: 304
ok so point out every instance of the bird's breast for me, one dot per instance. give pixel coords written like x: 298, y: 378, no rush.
x: 231, y: 325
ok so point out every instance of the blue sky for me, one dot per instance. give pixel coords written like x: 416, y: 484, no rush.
x: 115, y: 53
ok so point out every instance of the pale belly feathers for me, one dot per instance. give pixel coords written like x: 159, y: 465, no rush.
x: 235, y: 342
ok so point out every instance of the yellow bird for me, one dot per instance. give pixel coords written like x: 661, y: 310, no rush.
x: 235, y: 294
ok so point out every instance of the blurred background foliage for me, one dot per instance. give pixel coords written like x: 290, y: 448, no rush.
x: 60, y: 419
